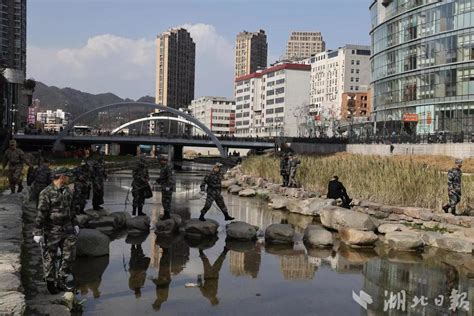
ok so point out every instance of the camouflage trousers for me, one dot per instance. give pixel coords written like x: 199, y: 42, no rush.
x: 214, y: 195
x: 15, y: 175
x: 97, y: 193
x: 138, y: 194
x: 286, y: 178
x: 79, y: 204
x: 454, y: 199
x: 66, y: 243
x: 166, y: 197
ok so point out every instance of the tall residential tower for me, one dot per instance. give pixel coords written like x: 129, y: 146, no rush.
x: 250, y: 52
x: 303, y: 45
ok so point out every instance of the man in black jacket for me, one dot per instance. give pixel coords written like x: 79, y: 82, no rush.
x: 336, y: 190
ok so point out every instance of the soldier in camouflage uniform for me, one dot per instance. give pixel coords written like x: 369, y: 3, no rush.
x: 167, y: 182
x: 97, y: 171
x: 454, y: 187
x: 284, y: 170
x: 15, y: 159
x: 41, y: 179
x: 213, y: 182
x: 293, y: 166
x: 56, y: 228
x: 139, y: 185
x: 82, y: 188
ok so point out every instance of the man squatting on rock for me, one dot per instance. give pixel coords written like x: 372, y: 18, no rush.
x: 213, y: 183
x: 56, y: 228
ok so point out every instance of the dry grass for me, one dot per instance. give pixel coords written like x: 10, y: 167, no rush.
x: 408, y: 181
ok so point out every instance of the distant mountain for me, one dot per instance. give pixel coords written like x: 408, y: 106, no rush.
x: 75, y: 101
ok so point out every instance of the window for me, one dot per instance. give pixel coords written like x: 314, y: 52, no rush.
x: 279, y: 110
x: 358, y: 62
x: 269, y: 111
x: 357, y: 71
x: 357, y: 88
x: 357, y: 79
x: 352, y: 79
x: 352, y: 88
x: 352, y: 71
x: 270, y: 92
x: 270, y: 102
x: 279, y: 100
x: 280, y: 90
x: 352, y: 62
x: 280, y: 81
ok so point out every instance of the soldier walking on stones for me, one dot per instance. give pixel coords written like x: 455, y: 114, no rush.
x: 454, y: 187
x: 42, y: 177
x: 98, y: 175
x: 139, y: 185
x: 213, y: 181
x: 82, y: 188
x: 284, y: 169
x: 293, y: 166
x: 167, y: 183
x: 56, y: 228
x: 15, y: 159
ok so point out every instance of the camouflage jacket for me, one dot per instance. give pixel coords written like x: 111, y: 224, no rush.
x: 140, y: 175
x: 14, y: 158
x: 55, y: 214
x: 284, y: 166
x: 43, y: 176
x: 294, y: 164
x: 96, y: 169
x: 454, y: 180
x: 213, y: 181
x: 81, y: 183
x: 166, y: 178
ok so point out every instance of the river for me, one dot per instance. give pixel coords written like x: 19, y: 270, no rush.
x: 171, y: 276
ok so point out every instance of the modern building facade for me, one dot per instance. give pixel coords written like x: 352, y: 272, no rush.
x: 356, y: 106
x: 175, y: 68
x: 53, y: 120
x: 335, y: 73
x: 423, y: 66
x: 303, y: 45
x: 250, y: 52
x: 271, y: 102
x: 217, y: 113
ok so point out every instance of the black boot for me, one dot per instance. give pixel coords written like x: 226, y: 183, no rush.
x: 453, y: 211
x: 227, y: 217
x: 63, y: 286
x: 201, y: 218
x: 20, y: 188
x: 134, y: 211
x: 12, y: 188
x: 52, y: 289
x: 97, y: 208
x: 140, y: 211
x: 166, y: 215
x: 446, y: 208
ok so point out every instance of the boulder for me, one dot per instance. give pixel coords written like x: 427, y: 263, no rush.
x: 318, y: 237
x: 247, y: 193
x: 227, y: 183
x: 196, y: 228
x: 10, y: 282
x: 358, y: 238
x: 104, y: 221
x: 82, y: 220
x: 168, y: 226
x: 278, y: 203
x: 92, y: 243
x: 430, y: 238
x: 388, y: 228
x: 122, y: 218
x: 96, y: 214
x: 138, y: 223
x: 234, y: 189
x: 311, y: 207
x: 136, y: 239
x: 454, y: 244
x: 407, y: 241
x: 241, y: 231
x: 337, y: 217
x: 279, y: 234
x: 12, y: 303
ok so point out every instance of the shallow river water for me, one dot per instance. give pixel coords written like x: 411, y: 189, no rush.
x: 170, y: 276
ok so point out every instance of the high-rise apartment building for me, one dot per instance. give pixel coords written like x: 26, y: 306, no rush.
x: 217, y: 113
x: 423, y: 66
x: 271, y: 102
x: 250, y: 52
x: 175, y: 67
x: 303, y: 45
x: 334, y: 73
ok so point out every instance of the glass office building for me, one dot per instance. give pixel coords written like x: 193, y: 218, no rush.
x: 423, y: 65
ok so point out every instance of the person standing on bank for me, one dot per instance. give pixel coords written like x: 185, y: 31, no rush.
x: 139, y: 185
x: 167, y: 183
x: 98, y: 175
x: 15, y: 159
x: 454, y: 187
x: 293, y: 167
x: 213, y: 182
x: 82, y: 188
x: 336, y: 190
x: 42, y: 177
x: 285, y: 169
x: 56, y: 228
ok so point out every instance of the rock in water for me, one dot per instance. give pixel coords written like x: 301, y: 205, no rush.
x: 279, y: 234
x: 104, y: 221
x: 277, y: 202
x: 234, y: 189
x: 357, y: 238
x: 82, y: 220
x: 96, y: 214
x: 136, y: 239
x: 337, y: 217
x: 408, y: 241
x: 168, y: 226
x: 318, y: 237
x: 92, y: 243
x: 388, y: 228
x: 228, y: 183
x: 241, y: 231
x: 138, y: 224
x: 311, y: 207
x: 454, y: 244
x: 196, y: 228
x: 247, y: 193
x: 122, y: 218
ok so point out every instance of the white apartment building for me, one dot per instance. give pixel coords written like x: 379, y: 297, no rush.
x: 53, y: 120
x: 267, y: 102
x: 346, y: 70
x: 217, y: 113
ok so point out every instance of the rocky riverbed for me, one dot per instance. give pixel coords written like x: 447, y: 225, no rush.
x: 367, y: 223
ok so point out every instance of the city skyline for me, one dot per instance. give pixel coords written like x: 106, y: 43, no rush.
x: 102, y: 41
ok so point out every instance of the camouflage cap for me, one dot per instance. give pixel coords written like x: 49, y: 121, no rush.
x: 218, y: 164
x: 12, y: 142
x: 63, y: 171
x: 162, y: 157
x: 458, y: 161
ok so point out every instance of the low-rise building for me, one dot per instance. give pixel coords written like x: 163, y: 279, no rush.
x: 217, y: 113
x: 53, y: 120
x: 272, y: 102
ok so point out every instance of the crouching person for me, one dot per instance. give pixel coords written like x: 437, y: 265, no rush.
x: 56, y: 228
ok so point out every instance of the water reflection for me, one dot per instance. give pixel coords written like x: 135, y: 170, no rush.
x: 244, y: 258
x: 138, y: 265
x: 88, y: 273
x: 209, y: 283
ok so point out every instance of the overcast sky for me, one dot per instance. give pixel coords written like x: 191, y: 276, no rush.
x: 109, y: 45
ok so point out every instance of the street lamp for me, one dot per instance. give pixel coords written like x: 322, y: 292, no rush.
x: 13, y: 110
